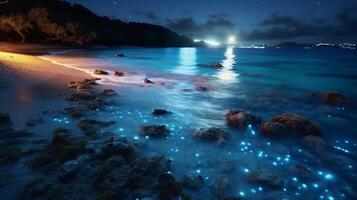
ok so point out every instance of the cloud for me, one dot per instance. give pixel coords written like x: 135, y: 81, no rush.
x: 279, y: 27
x: 217, y: 25
x: 147, y: 14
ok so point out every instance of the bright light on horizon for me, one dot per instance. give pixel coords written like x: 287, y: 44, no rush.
x: 231, y: 39
x: 209, y: 42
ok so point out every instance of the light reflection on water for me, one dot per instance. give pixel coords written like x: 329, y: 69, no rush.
x: 187, y: 61
x: 226, y: 74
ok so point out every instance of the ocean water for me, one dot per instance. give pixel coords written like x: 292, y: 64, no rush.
x: 267, y: 82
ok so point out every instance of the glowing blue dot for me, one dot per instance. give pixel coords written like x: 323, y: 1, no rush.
x: 331, y: 198
x: 242, y: 194
x: 268, y: 143
x: 182, y: 138
x: 328, y: 176
x: 246, y: 170
x: 315, y: 185
x: 294, y: 179
x: 253, y: 190
x: 197, y: 155
x: 304, y: 185
x: 121, y: 129
x: 198, y: 171
x: 260, y: 188
x: 275, y: 164
x: 136, y: 138
x: 320, y: 172
x: 284, y: 189
x: 249, y: 126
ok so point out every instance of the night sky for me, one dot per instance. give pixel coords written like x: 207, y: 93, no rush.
x: 265, y: 21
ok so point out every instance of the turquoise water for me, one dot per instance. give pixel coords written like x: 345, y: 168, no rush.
x: 265, y: 81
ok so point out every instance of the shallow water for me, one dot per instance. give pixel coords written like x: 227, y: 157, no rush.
x: 265, y: 81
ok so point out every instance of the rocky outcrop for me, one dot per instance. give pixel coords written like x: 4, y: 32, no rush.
x: 214, y: 65
x: 160, y: 112
x: 266, y: 178
x: 290, y: 124
x: 119, y: 73
x: 148, y: 81
x: 211, y: 134
x: 91, y: 127
x: 100, y: 72
x: 81, y: 96
x: 241, y: 119
x: 5, y: 120
x: 154, y: 131
x: 334, y: 98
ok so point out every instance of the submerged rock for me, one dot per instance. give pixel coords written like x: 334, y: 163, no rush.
x: 5, y: 120
x: 100, y: 72
x: 34, y: 122
x: 214, y: 65
x: 274, y: 130
x: 298, y: 124
x: 61, y: 136
x: 10, y: 154
x: 119, y: 55
x: 265, y: 177
x: 303, y: 172
x: 221, y: 186
x: 334, y: 98
x: 315, y: 143
x: 75, y: 112
x: 160, y: 112
x: 108, y: 92
x: 212, y: 134
x: 192, y: 181
x: 81, y: 96
x: 97, y: 103
x: 155, y: 131
x: 118, y: 73
x: 241, y: 119
x: 10, y: 133
x: 147, y: 81
x: 91, y: 127
x: 68, y: 170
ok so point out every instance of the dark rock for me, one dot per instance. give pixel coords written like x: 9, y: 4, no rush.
x: 303, y: 172
x: 222, y: 185
x: 122, y: 149
x: 241, y: 119
x: 10, y: 154
x: 75, y: 112
x: 159, y: 112
x: 34, y: 122
x: 61, y: 136
x: 5, y: 120
x: 118, y: 73
x: 108, y: 92
x: 201, y: 88
x: 97, y: 103
x: 81, y: 96
x: 68, y: 170
x: 214, y: 65
x: 266, y: 178
x: 10, y: 133
x: 119, y: 55
x: 167, y: 186
x: 334, y: 98
x: 147, y: 81
x: 91, y: 127
x: 85, y: 84
x: 298, y: 124
x: 34, y: 188
x: 155, y: 131
x: 100, y: 72
x: 192, y: 181
x: 315, y: 143
x: 211, y: 134
x: 274, y: 130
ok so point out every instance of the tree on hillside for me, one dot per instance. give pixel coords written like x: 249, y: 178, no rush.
x: 17, y: 23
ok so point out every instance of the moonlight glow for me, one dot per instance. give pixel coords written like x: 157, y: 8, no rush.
x: 231, y: 40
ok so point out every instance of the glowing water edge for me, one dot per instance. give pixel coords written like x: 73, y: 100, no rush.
x: 267, y: 82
